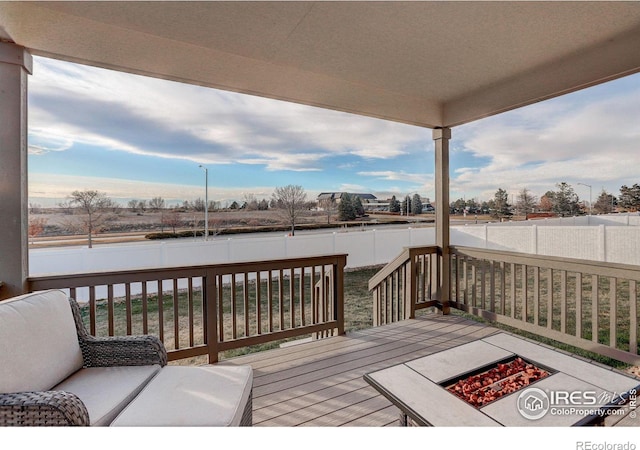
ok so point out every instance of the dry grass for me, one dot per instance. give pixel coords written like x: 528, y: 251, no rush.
x: 358, y: 313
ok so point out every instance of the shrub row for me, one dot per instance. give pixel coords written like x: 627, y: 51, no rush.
x: 258, y: 229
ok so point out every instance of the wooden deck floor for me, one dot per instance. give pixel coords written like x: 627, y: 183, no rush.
x: 320, y: 383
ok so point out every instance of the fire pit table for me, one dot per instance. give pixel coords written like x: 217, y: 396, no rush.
x: 503, y: 380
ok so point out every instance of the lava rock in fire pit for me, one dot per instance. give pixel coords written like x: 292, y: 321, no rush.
x: 481, y: 389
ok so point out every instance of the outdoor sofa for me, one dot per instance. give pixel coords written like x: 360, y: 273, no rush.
x: 52, y: 372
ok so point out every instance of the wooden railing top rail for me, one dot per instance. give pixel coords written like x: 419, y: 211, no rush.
x: 398, y: 261
x: 606, y: 269
x: 74, y: 280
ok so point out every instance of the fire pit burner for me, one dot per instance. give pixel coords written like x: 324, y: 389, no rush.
x: 492, y: 382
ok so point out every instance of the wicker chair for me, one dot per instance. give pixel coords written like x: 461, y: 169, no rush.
x: 60, y: 408
x: 52, y: 372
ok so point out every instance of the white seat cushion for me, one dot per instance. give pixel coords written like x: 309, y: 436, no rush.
x: 191, y: 396
x: 38, y: 342
x: 105, y: 391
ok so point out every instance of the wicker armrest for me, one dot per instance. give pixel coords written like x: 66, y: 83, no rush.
x: 117, y: 350
x: 123, y: 351
x: 46, y: 408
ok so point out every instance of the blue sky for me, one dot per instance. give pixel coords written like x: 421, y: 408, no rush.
x: 137, y: 137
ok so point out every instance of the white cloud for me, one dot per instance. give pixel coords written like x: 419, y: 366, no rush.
x: 50, y: 189
x: 390, y: 175
x: 593, y: 141
x: 155, y: 117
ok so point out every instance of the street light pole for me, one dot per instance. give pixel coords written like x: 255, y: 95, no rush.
x: 590, y: 204
x: 206, y: 202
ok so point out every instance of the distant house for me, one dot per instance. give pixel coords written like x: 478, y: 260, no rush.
x: 364, y: 198
x: 368, y: 200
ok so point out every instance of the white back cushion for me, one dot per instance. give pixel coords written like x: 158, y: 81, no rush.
x: 38, y: 342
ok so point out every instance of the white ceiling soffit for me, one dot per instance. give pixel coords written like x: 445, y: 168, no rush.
x: 424, y: 63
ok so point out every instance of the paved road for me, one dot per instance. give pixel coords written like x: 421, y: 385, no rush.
x: 131, y: 238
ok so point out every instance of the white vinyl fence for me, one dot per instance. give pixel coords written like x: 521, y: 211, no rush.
x: 365, y: 248
x: 608, y: 238
x: 599, y: 242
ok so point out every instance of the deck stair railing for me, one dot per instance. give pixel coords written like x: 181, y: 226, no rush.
x: 204, y: 310
x: 408, y: 283
x: 587, y: 304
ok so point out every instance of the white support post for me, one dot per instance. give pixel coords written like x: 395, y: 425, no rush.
x: 15, y: 65
x: 441, y: 137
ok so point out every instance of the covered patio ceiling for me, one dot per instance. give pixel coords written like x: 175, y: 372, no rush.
x: 432, y: 64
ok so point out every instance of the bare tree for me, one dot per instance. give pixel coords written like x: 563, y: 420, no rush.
x: 329, y: 206
x: 291, y: 200
x: 95, y: 207
x: 66, y: 207
x: 157, y: 203
x: 36, y: 226
x: 251, y: 202
x: 526, y: 202
x: 35, y: 208
x: 172, y: 219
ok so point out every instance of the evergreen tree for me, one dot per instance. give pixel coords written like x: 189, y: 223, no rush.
x: 346, y: 209
x: 501, y: 206
x: 394, y: 205
x: 605, y: 203
x: 565, y: 201
x: 357, y: 206
x: 406, y: 205
x: 416, y: 204
x: 630, y: 197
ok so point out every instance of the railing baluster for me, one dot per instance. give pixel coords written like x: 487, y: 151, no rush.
x: 396, y: 296
x: 613, y: 312
x: 563, y: 301
x: 594, y: 307
x: 503, y: 287
x: 633, y: 317
x: 190, y: 311
x: 525, y: 295
x: 292, y: 300
x: 281, y: 298
x: 579, y: 305
x: 220, y: 300
x: 483, y: 292
x: 550, y: 298
x: 513, y: 290
x: 234, y: 312
x: 92, y: 310
x: 492, y: 286
x: 536, y: 296
x: 176, y: 315
x: 314, y: 297
x: 258, y: 303
x: 160, y: 311
x: 245, y: 292
x: 302, y: 283
x: 110, y: 315
x: 270, y: 300
x: 473, y: 283
x: 145, y: 309
x: 127, y: 295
